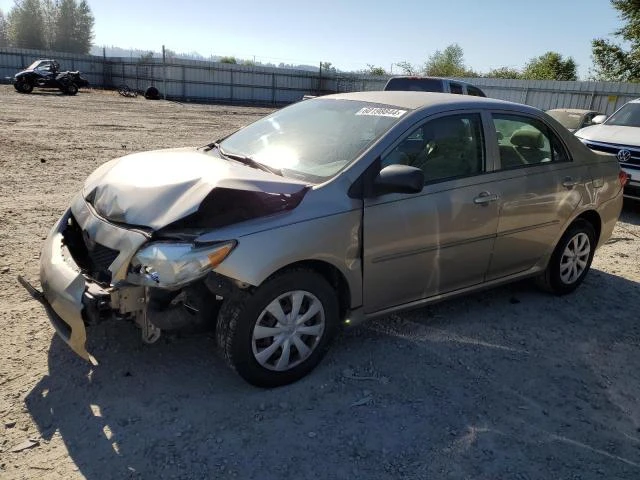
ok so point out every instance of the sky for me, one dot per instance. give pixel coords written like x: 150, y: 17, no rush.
x: 353, y: 33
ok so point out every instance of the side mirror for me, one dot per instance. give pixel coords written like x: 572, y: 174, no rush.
x: 598, y: 119
x: 398, y: 179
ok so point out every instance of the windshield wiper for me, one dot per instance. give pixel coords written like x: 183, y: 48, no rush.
x: 247, y: 160
x: 212, y: 145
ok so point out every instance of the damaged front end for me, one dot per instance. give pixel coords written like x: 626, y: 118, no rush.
x: 96, y: 265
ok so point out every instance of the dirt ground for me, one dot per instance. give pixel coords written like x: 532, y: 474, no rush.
x: 508, y: 384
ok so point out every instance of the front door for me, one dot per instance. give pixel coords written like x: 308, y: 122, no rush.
x: 439, y: 240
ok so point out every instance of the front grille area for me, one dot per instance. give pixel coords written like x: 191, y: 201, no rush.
x: 632, y: 191
x: 93, y: 258
x: 614, y: 149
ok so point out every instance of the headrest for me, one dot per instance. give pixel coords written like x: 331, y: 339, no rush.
x: 444, y: 128
x: 527, y: 138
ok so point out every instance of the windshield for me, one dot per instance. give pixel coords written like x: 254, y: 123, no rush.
x: 33, y: 65
x: 313, y: 139
x: 627, y: 116
x: 567, y: 119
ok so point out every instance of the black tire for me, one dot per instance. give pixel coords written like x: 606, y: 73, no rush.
x: 70, y: 89
x: 551, y: 280
x: 24, y: 86
x: 152, y: 93
x: 238, y: 316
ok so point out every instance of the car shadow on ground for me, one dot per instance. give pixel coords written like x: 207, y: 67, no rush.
x: 499, y: 384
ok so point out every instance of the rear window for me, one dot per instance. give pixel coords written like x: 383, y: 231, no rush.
x: 414, y: 84
x: 455, y: 88
x: 476, y: 92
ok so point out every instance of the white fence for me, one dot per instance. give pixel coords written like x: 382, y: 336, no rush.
x: 220, y: 82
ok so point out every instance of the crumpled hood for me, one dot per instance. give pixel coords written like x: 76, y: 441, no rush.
x: 154, y: 189
x: 611, y: 134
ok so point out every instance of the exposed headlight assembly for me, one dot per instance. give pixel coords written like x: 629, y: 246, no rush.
x: 173, y: 265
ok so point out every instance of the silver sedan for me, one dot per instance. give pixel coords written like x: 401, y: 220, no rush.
x: 324, y: 214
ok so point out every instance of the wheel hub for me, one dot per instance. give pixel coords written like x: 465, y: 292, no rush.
x: 288, y: 330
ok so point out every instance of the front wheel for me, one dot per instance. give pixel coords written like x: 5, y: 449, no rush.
x: 571, y: 259
x: 24, y: 86
x: 278, y: 333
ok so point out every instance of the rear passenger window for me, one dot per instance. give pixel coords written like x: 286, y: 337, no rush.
x: 526, y: 141
x: 456, y: 88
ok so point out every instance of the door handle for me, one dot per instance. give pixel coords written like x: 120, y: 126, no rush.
x: 569, y: 182
x: 484, y: 198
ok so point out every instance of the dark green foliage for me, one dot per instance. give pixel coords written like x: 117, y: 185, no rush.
x: 448, y: 63
x: 504, y: 72
x: 62, y: 25
x: 26, y: 25
x: 550, y: 66
x: 612, y: 62
x: 4, y: 30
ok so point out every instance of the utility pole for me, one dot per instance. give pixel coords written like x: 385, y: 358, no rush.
x: 164, y: 74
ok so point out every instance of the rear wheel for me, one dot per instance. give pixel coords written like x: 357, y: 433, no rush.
x: 571, y: 259
x: 279, y: 333
x: 70, y: 89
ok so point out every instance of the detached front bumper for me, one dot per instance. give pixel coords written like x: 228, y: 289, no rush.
x: 71, y: 297
x: 63, y: 286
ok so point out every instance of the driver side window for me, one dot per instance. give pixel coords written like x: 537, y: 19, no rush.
x: 445, y: 148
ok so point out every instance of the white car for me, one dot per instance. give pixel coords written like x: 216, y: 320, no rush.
x: 619, y: 135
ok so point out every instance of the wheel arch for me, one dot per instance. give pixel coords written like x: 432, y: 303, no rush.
x: 594, y: 219
x: 331, y: 274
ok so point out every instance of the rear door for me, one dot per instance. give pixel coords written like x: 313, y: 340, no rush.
x: 439, y: 240
x: 539, y: 187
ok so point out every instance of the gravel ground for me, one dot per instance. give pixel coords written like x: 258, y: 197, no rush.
x: 507, y: 384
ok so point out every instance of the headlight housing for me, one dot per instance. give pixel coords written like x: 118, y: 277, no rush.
x: 173, y: 265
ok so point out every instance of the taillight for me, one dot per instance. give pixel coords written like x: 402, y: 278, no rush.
x: 623, y: 177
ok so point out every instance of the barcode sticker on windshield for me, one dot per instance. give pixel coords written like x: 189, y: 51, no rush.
x: 381, y: 112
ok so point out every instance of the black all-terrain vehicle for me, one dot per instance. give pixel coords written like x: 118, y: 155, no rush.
x: 47, y: 74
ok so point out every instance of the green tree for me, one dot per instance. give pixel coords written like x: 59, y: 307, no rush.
x: 376, y: 71
x: 550, y: 66
x: 4, y: 33
x: 73, y: 31
x: 407, y: 68
x: 231, y: 60
x: 613, y: 62
x: 26, y: 25
x: 447, y: 63
x: 504, y: 72
x: 83, y: 28
x: 146, y: 57
x: 64, y: 26
x: 49, y: 18
x: 327, y: 67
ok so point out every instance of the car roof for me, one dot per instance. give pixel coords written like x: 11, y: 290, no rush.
x: 418, y: 77
x: 571, y: 110
x: 423, y: 100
